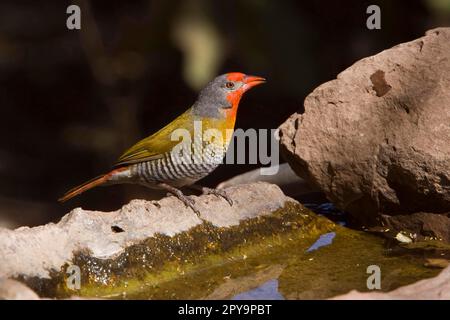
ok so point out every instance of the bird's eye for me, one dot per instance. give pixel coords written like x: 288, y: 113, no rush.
x: 229, y: 85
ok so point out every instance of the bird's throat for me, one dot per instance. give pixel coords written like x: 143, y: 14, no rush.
x: 233, y: 98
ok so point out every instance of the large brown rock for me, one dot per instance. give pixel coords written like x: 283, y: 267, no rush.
x: 377, y: 139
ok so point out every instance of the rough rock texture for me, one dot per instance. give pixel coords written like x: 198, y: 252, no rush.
x: 36, y: 251
x: 291, y: 184
x: 424, y: 225
x: 15, y: 290
x: 428, y: 289
x: 377, y: 139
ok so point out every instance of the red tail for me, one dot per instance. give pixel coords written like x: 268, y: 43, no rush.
x: 88, y: 185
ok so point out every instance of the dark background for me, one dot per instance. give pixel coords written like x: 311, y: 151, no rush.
x: 72, y: 101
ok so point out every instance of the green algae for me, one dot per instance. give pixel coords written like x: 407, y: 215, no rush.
x: 211, y: 262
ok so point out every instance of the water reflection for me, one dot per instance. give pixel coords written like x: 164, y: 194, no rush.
x: 266, y: 291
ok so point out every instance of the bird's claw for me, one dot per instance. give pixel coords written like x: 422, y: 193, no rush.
x: 218, y: 193
x: 187, y: 201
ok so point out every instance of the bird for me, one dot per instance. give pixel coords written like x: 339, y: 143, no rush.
x: 163, y: 162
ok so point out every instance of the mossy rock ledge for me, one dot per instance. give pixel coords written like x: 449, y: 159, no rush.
x: 157, y: 240
x: 163, y: 250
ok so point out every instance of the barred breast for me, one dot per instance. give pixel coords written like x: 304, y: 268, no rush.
x: 177, y: 170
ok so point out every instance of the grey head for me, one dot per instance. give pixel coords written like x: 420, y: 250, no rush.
x: 224, y: 92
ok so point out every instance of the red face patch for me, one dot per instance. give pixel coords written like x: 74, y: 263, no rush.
x: 235, y: 76
x: 233, y: 98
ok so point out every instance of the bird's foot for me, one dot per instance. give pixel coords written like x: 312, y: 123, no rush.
x: 218, y: 193
x: 188, y: 202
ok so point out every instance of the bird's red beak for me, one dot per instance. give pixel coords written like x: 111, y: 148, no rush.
x: 252, y: 81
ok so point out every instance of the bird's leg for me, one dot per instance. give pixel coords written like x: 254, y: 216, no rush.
x: 216, y: 192
x: 188, y: 202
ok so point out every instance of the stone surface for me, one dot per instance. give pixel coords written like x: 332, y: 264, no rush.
x: 291, y: 184
x: 36, y: 251
x: 423, y: 224
x: 428, y: 289
x: 15, y: 290
x: 376, y: 139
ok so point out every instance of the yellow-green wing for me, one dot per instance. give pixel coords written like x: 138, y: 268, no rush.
x: 154, y: 146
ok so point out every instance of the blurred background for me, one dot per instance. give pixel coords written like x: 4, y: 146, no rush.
x: 73, y: 100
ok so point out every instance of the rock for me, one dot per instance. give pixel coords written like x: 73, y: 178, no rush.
x: 428, y: 289
x: 155, y: 250
x: 291, y: 184
x: 15, y: 290
x: 376, y: 139
x: 424, y: 225
x: 35, y: 252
